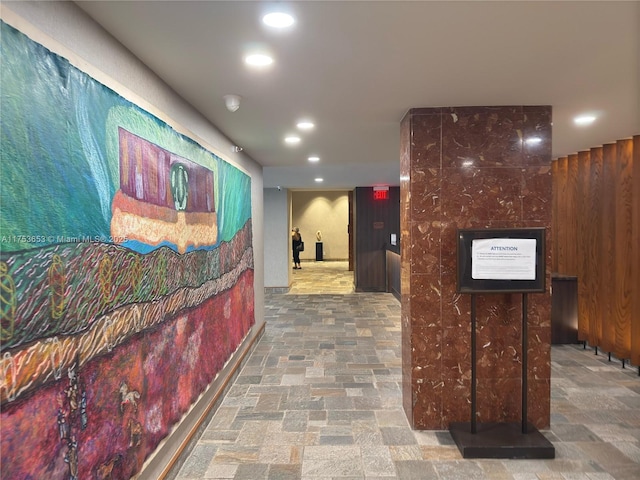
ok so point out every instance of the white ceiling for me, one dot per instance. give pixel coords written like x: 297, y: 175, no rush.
x: 356, y: 67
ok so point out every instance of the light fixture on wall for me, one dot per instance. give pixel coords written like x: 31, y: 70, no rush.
x: 232, y: 102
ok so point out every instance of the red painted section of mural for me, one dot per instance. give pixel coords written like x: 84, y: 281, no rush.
x: 134, y: 395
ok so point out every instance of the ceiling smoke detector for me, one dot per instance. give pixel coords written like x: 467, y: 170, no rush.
x: 232, y: 102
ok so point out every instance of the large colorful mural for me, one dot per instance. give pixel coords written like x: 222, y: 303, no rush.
x: 126, y: 271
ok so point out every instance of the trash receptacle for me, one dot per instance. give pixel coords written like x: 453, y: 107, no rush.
x: 318, y: 251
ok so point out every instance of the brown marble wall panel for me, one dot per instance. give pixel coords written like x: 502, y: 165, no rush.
x: 499, y: 399
x: 582, y: 220
x: 428, y: 399
x: 538, y: 309
x: 499, y: 355
x: 538, y: 407
x: 421, y: 178
x: 536, y: 193
x: 456, y: 308
x: 456, y: 403
x: 593, y: 241
x: 607, y: 247
x: 482, y: 136
x: 427, y: 345
x: 538, y: 354
x: 407, y: 367
x: 481, y: 194
x: 405, y: 267
x: 456, y: 353
x: 424, y: 254
x: 426, y: 132
x: 482, y: 167
x: 425, y: 194
x: 623, y: 249
x: 635, y: 242
x: 536, y: 136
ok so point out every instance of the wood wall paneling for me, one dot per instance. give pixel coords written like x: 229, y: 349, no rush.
x: 596, y: 237
x: 607, y: 246
x: 350, y: 230
x: 581, y: 245
x: 593, y: 241
x: 571, y: 218
x: 554, y: 216
x: 635, y: 243
x: 623, y: 249
x: 561, y: 247
x: 375, y: 221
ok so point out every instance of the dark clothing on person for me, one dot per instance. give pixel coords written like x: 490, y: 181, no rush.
x: 296, y: 240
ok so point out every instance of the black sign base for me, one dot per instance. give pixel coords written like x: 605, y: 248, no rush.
x: 501, y: 440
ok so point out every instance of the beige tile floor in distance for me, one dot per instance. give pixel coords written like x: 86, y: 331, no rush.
x: 319, y: 398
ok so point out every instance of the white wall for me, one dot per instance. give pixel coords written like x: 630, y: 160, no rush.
x: 327, y: 211
x: 65, y: 29
x: 277, y: 240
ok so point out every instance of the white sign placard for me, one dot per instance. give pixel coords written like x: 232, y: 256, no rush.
x: 503, y: 259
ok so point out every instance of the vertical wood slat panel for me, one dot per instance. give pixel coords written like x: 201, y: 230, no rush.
x: 623, y: 250
x: 571, y: 225
x: 581, y: 246
x: 607, y: 247
x: 554, y: 216
x: 635, y: 242
x: 596, y: 222
x: 561, y: 248
x: 593, y: 241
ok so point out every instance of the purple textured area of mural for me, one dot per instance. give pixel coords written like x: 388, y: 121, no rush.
x: 134, y: 395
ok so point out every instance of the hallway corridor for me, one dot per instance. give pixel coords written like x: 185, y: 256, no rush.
x: 319, y: 398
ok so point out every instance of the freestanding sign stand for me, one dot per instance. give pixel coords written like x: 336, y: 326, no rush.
x: 505, y: 263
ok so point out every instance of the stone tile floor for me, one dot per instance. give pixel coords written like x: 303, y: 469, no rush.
x: 319, y: 398
x: 322, y: 277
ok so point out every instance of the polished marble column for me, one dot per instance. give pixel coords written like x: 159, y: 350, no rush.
x: 471, y: 167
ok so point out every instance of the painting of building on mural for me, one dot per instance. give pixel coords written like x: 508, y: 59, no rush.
x: 126, y: 271
x: 162, y: 197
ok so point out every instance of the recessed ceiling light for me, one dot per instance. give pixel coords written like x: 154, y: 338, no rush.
x: 584, y: 119
x: 319, y: 180
x: 305, y: 125
x: 258, y: 60
x: 292, y: 139
x: 314, y: 159
x: 278, y: 20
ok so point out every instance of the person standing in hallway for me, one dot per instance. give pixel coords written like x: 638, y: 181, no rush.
x: 296, y: 242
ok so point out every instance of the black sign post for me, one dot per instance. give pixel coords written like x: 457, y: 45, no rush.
x: 493, y: 439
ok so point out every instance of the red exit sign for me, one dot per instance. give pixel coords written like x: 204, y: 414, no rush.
x: 380, y: 193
